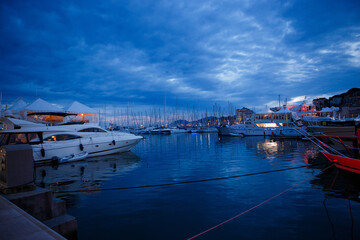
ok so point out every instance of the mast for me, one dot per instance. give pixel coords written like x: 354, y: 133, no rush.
x: 105, y: 115
x: 279, y: 101
x: 165, y: 111
x: 287, y: 124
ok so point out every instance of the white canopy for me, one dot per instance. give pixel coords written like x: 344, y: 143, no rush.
x: 18, y: 105
x: 42, y: 106
x: 77, y: 107
x: 282, y: 110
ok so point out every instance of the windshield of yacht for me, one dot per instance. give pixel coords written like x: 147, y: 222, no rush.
x: 61, y: 137
x: 3, y: 138
x: 92, y: 129
x: 19, y: 138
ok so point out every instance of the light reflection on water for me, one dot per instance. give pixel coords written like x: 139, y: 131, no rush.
x: 179, y: 212
x: 85, y: 175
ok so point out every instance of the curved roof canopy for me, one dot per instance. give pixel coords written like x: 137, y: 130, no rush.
x: 18, y: 105
x: 77, y: 107
x: 42, y: 106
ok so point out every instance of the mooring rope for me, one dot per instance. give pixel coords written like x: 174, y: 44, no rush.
x: 310, y: 138
x: 258, y: 205
x: 324, y: 202
x: 179, y: 183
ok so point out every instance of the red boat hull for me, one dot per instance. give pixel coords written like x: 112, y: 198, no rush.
x: 348, y: 164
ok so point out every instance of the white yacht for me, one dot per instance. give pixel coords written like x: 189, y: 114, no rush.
x: 69, y: 142
x: 276, y: 124
x: 204, y: 130
x: 173, y: 130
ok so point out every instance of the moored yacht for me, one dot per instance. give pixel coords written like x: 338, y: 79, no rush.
x: 51, y: 143
x: 276, y: 124
x: 173, y: 130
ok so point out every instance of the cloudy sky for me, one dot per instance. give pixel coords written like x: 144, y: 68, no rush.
x: 246, y: 52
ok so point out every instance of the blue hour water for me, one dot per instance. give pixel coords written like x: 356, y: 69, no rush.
x: 312, y: 210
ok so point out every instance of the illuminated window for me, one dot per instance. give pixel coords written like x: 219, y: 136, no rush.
x: 19, y: 138
x: 61, y: 137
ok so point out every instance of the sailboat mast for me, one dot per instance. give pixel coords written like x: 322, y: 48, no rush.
x: 279, y: 101
x: 165, y: 110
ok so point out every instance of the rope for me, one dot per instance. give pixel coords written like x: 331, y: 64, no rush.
x: 326, y: 146
x: 338, y: 140
x: 179, y: 183
x: 337, y: 152
x: 324, y: 203
x: 260, y: 204
x: 352, y: 220
x: 350, y: 211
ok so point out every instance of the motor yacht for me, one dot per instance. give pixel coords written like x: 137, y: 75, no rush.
x: 69, y: 142
x: 172, y: 130
x: 279, y: 124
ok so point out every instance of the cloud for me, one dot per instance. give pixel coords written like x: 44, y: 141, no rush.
x: 353, y: 50
x: 246, y: 52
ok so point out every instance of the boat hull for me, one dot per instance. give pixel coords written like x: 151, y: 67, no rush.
x: 98, y: 146
x: 229, y: 131
x: 258, y: 131
x: 345, y: 163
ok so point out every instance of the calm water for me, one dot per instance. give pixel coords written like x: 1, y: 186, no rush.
x: 182, y: 211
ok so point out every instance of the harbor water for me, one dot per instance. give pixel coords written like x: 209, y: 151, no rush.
x: 155, y: 191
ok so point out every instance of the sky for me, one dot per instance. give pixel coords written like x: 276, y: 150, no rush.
x: 189, y: 52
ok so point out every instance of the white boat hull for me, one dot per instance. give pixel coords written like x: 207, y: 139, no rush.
x: 259, y: 131
x: 98, y: 146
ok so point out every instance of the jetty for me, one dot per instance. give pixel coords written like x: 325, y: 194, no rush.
x: 27, y: 211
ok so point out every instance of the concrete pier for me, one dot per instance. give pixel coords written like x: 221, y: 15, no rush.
x: 41, y: 205
x: 24, y: 205
x: 16, y: 224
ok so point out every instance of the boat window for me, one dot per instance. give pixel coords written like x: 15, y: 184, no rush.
x: 61, y: 137
x: 52, y: 138
x: 3, y: 138
x: 92, y: 130
x: 19, y: 138
x: 33, y: 137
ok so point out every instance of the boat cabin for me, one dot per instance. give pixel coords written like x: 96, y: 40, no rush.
x: 15, y: 137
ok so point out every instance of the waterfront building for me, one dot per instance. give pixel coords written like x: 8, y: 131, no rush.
x: 348, y: 102
x: 243, y: 114
x: 321, y: 103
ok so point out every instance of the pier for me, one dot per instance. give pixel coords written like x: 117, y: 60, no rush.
x: 26, y: 211
x: 16, y: 224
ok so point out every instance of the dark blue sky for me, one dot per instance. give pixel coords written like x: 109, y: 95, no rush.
x: 115, y: 52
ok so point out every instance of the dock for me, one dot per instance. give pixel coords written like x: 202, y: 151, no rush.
x: 16, y: 224
x: 27, y: 211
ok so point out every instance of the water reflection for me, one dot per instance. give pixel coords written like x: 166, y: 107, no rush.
x: 274, y: 150
x: 344, y: 185
x: 84, y: 175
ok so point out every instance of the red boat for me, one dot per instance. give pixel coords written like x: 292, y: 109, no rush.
x: 346, y: 163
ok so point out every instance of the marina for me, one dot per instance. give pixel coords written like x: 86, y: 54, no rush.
x: 175, y: 120
x: 243, y: 176
x: 120, y: 194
